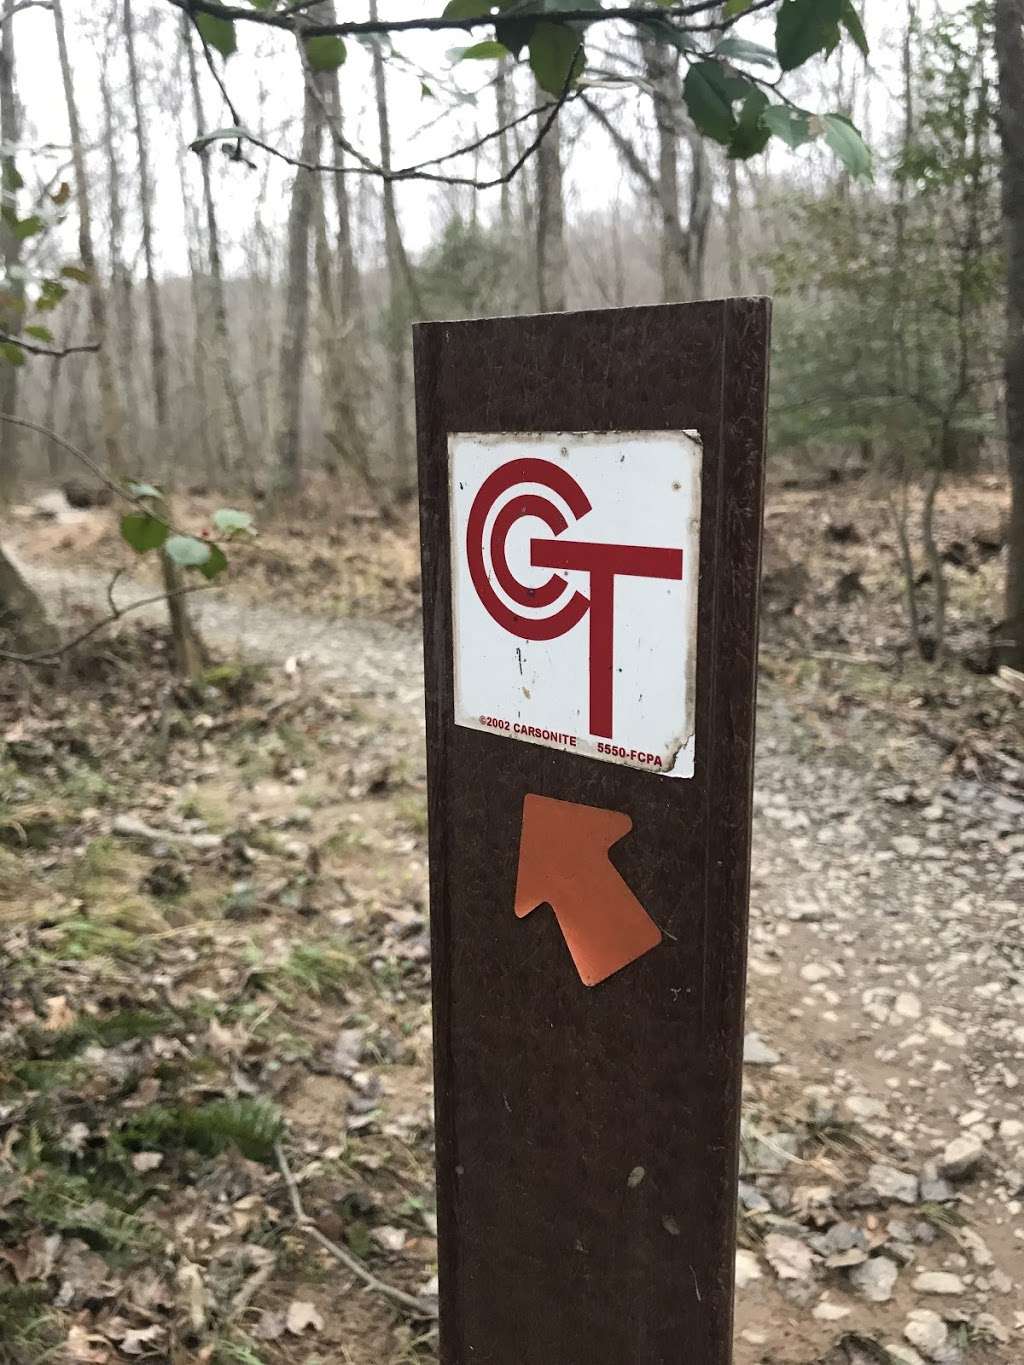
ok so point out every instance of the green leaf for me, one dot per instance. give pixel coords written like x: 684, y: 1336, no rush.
x: 556, y: 56
x: 40, y: 333
x: 188, y: 551
x: 804, y: 27
x: 12, y: 353
x: 219, y: 33
x: 21, y: 228
x: 216, y: 564
x: 710, y: 94
x: 229, y: 521
x: 487, y: 50
x: 793, y: 126
x: 12, y: 179
x: 325, y: 52
x: 143, y: 490
x: 466, y: 9
x: 751, y: 135
x: 50, y: 294
x: 847, y: 143
x: 734, y: 8
x: 669, y: 33
x: 742, y: 50
x: 851, y: 22
x: 143, y: 532
x: 75, y: 272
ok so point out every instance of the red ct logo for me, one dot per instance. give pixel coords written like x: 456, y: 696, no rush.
x: 602, y: 562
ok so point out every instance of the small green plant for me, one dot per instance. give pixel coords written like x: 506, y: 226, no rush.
x: 30, y: 1330
x: 251, y: 1126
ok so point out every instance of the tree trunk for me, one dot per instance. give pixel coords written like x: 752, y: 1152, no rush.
x: 402, y: 293
x: 504, y: 101
x: 10, y: 247
x: 701, y: 197
x: 1009, y: 32
x: 233, y: 434
x: 109, y: 399
x: 552, y: 259
x: 295, y: 332
x: 120, y: 274
x: 24, y: 627
x: 733, y: 231
x: 663, y: 73
x: 188, y: 654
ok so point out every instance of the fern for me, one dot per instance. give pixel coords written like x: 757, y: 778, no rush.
x: 251, y: 1126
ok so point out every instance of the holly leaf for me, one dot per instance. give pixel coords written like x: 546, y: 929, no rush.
x: 229, y: 521
x: 751, y: 135
x: 480, y: 52
x: 847, y: 143
x: 188, y: 552
x: 743, y: 50
x: 805, y: 27
x: 325, y: 52
x: 793, y: 126
x: 710, y: 94
x: 143, y: 532
x: 852, y: 23
x: 466, y: 9
x: 215, y: 564
x: 218, y: 32
x: 556, y: 56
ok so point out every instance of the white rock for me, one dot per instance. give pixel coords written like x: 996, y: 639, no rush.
x: 814, y: 971
x: 789, y: 1258
x: 938, y: 1282
x: 748, y: 1268
x: 826, y: 1311
x: 864, y: 1107
x: 756, y: 1051
x: 875, y: 1279
x: 926, y: 1330
x: 961, y: 1156
x: 903, y: 1355
x: 893, y: 1184
x: 907, y: 1006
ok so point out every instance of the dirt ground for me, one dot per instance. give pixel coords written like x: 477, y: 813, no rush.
x: 214, y: 1045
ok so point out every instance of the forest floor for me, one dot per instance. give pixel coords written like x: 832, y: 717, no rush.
x: 214, y: 1000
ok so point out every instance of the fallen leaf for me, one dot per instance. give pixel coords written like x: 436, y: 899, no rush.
x: 59, y: 1014
x: 302, y: 1315
x: 86, y: 1346
x: 147, y: 1161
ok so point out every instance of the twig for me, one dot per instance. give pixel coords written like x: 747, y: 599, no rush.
x: 290, y: 16
x: 47, y: 655
x: 90, y: 464
x: 419, y: 1307
x: 54, y: 352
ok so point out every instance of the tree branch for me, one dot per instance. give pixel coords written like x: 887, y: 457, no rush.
x: 45, y: 656
x: 291, y: 17
x: 418, y: 1307
x: 54, y: 352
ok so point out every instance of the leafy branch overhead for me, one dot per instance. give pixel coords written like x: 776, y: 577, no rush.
x: 731, y: 87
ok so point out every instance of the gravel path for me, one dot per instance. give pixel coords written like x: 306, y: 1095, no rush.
x: 886, y: 989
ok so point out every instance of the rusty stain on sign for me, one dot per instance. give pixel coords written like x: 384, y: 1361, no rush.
x: 574, y: 591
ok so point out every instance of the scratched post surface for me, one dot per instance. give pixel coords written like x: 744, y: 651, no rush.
x: 587, y: 1136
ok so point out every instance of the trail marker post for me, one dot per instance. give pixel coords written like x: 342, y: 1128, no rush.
x: 590, y: 491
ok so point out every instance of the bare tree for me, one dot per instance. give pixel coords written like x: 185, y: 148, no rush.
x: 187, y: 650
x: 110, y: 402
x: 402, y: 291
x: 233, y: 434
x: 295, y: 332
x: 1009, y: 33
x: 552, y: 256
x: 10, y: 245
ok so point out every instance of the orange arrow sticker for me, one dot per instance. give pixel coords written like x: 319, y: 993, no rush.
x: 563, y: 862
